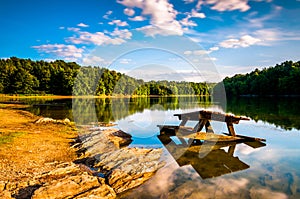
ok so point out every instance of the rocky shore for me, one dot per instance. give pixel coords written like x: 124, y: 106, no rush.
x: 105, y: 167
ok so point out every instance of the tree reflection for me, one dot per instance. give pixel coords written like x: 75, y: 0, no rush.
x: 282, y: 112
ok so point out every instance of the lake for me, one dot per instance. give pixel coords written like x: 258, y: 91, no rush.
x: 229, y: 171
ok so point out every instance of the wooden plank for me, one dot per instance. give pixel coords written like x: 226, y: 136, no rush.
x: 208, y: 127
x: 210, y: 115
x: 185, y: 130
x: 249, y: 138
x: 230, y: 129
x: 199, y: 126
x: 184, y: 121
x: 255, y: 144
x: 211, y: 137
x: 167, y: 126
x: 231, y: 150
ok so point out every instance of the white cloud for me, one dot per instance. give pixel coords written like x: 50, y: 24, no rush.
x: 212, y: 59
x: 195, y: 52
x: 188, y: 52
x: 244, y: 41
x: 186, y: 22
x: 137, y: 18
x: 225, y: 5
x: 197, y: 14
x: 267, y: 35
x: 214, y: 48
x: 258, y: 22
x: 201, y: 52
x: 116, y: 37
x: 61, y: 27
x: 125, y: 61
x: 61, y: 50
x: 194, y: 14
x: 93, y: 61
x: 261, y: 37
x: 129, y: 11
x: 290, y: 36
x: 266, y: 193
x: 152, y: 30
x: 124, y: 34
x: 268, y: 1
x: 107, y: 14
x: 189, y: 1
x: 162, y: 16
x: 73, y: 29
x: 82, y: 25
x: 97, y: 38
x: 118, y: 22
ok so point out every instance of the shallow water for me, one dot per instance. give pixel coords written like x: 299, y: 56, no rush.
x: 236, y: 171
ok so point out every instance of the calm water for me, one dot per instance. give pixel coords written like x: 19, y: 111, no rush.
x: 235, y: 171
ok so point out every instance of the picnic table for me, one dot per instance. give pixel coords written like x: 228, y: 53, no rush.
x: 204, y: 118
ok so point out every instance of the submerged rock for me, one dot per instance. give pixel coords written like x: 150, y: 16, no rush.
x: 50, y: 120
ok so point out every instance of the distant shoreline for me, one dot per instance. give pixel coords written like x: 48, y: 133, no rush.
x: 264, y: 96
x: 92, y: 96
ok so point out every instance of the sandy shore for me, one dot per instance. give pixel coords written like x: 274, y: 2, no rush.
x: 27, y: 147
x: 38, y: 158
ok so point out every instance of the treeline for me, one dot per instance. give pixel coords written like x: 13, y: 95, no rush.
x: 24, y: 76
x: 101, y: 81
x: 272, y: 110
x: 283, y: 79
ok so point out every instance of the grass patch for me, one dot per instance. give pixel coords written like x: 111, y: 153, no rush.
x: 9, y: 137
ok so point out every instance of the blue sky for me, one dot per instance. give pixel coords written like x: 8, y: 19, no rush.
x: 230, y: 36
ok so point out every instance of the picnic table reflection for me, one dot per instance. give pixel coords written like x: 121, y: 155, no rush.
x: 209, y: 160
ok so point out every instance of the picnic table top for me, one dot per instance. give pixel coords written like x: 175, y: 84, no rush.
x: 211, y: 115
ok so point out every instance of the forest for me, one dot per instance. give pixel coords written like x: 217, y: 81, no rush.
x: 28, y: 77
x: 282, y: 79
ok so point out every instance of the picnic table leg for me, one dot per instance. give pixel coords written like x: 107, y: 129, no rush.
x: 231, y: 149
x: 231, y: 129
x: 208, y: 127
x: 199, y: 126
x: 184, y: 121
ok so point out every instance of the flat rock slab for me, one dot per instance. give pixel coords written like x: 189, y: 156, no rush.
x: 75, y: 187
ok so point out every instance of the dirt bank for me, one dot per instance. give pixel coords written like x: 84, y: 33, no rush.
x: 37, y: 160
x: 27, y: 148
